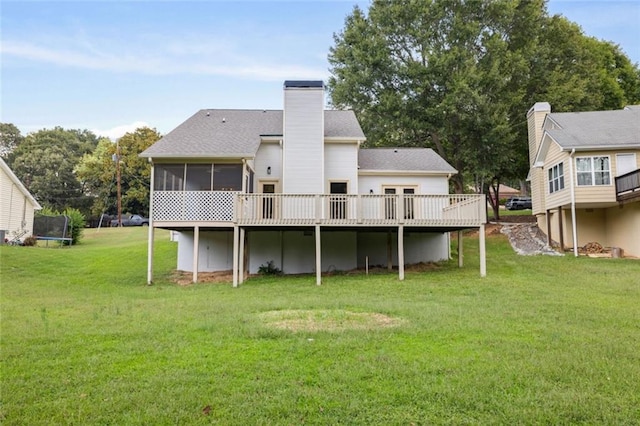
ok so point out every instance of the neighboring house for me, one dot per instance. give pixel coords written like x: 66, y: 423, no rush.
x: 585, y: 176
x: 247, y: 187
x: 17, y: 206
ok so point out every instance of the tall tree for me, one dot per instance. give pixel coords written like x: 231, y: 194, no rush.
x: 459, y: 77
x: 97, y: 172
x: 10, y: 138
x: 44, y: 162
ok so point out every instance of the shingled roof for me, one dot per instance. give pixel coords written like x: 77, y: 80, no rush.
x: 232, y: 133
x: 403, y: 160
x: 597, y: 129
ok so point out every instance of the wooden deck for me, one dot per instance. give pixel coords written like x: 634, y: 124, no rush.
x: 220, y: 208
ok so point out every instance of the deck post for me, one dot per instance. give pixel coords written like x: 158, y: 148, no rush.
x: 150, y: 255
x: 401, y: 252
x: 389, y: 255
x: 548, y: 217
x: 483, y: 256
x: 318, y: 257
x: 460, y: 255
x: 235, y: 255
x: 241, y: 257
x: 196, y: 252
x: 560, y: 228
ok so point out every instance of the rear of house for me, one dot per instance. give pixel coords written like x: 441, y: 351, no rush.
x: 294, y: 188
x: 585, y: 176
x: 17, y: 206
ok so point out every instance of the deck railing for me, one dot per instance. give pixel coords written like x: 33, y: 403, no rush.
x: 361, y: 210
x: 320, y: 209
x: 628, y: 185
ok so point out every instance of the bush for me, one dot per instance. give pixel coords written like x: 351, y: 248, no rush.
x: 30, y: 241
x: 269, y: 269
x: 76, y: 224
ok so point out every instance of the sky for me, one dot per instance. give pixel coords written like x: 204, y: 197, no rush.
x: 113, y: 66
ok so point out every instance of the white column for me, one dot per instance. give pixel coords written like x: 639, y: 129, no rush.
x: 196, y: 252
x: 150, y: 255
x: 151, y: 230
x: 235, y: 255
x: 460, y: 255
x: 401, y: 252
x: 318, y: 257
x: 483, y: 256
x: 241, y: 257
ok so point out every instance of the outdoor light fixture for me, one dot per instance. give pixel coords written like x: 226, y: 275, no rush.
x: 371, y: 191
x: 269, y: 170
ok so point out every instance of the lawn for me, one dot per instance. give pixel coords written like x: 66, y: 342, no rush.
x: 540, y: 340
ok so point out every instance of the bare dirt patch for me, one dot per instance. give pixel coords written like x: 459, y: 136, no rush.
x: 186, y: 278
x: 332, y: 320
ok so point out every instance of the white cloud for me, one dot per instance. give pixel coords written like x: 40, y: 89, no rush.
x: 119, y: 131
x: 171, y: 58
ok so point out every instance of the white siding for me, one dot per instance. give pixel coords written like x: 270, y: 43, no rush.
x: 423, y: 184
x: 294, y: 251
x: 216, y: 252
x: 16, y: 210
x: 268, y: 155
x: 341, y: 164
x: 418, y: 247
x: 303, y: 153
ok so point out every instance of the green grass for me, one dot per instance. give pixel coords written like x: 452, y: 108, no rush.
x: 540, y: 340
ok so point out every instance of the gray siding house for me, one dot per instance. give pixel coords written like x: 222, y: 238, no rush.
x: 294, y: 187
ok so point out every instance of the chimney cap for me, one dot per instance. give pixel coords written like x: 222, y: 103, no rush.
x: 288, y: 84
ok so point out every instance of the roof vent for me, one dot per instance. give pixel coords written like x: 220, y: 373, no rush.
x: 395, y: 150
x: 224, y: 120
x: 208, y: 113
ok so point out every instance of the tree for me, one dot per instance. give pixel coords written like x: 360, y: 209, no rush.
x: 10, y: 138
x: 97, y: 172
x: 459, y: 76
x: 45, y: 163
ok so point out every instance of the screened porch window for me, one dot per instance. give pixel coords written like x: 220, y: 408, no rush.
x: 168, y: 177
x: 197, y: 177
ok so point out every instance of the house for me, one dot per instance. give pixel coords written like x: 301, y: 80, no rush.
x: 585, y: 176
x: 294, y: 187
x: 17, y: 206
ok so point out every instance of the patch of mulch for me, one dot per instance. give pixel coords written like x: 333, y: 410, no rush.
x: 183, y: 278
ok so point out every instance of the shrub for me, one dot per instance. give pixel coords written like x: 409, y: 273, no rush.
x: 30, y: 241
x: 269, y: 269
x: 76, y: 224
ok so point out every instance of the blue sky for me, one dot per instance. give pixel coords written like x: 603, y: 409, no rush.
x: 112, y: 66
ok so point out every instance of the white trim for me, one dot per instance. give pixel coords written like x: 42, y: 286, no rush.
x: 411, y: 173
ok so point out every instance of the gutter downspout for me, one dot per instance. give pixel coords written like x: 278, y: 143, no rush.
x: 573, y: 206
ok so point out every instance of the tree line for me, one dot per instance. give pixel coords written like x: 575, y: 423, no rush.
x: 459, y: 77
x: 75, y: 169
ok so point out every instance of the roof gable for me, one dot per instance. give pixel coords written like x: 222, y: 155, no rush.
x: 19, y: 184
x: 592, y: 130
x: 420, y: 160
x: 232, y: 133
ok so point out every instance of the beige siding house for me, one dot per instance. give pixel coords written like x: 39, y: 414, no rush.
x: 295, y: 189
x: 585, y: 176
x: 17, y: 206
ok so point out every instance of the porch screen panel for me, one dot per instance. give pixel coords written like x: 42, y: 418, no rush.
x: 227, y: 177
x: 168, y: 177
x: 198, y: 177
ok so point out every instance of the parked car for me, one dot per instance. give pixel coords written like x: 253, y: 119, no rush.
x: 132, y: 220
x: 518, y: 203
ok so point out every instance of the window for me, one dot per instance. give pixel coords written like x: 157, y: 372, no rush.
x: 593, y: 171
x: 198, y: 177
x: 168, y: 177
x: 227, y: 177
x: 556, y: 178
